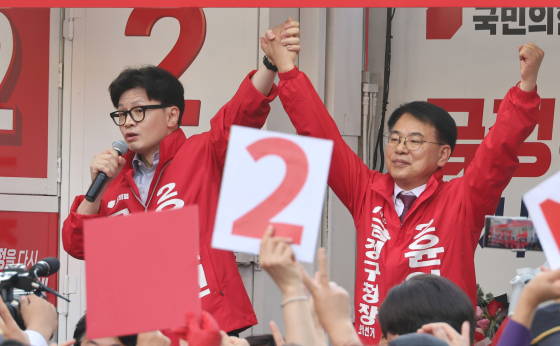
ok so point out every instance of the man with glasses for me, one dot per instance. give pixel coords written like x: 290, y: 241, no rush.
x: 410, y: 221
x: 164, y: 170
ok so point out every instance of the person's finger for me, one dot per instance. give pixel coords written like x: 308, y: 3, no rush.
x: 438, y: 332
x: 554, y: 274
x: 290, y: 32
x: 294, y: 48
x: 291, y: 24
x: 225, y: 339
x: 288, y: 252
x: 307, y: 280
x: 276, y: 334
x: 466, y: 332
x: 323, y: 267
x: 290, y: 41
x: 208, y: 322
x: 266, y: 242
x: 270, y: 34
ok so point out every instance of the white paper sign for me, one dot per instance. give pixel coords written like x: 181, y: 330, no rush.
x: 272, y: 178
x: 543, y: 203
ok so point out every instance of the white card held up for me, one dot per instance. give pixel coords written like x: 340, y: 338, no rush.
x: 272, y: 178
x: 543, y: 204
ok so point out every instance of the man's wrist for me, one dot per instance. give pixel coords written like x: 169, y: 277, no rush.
x: 527, y: 86
x: 285, y: 67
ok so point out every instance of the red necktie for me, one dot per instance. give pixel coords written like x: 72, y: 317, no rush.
x: 408, y: 201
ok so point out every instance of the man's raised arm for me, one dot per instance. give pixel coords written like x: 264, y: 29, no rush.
x: 250, y: 105
x: 496, y: 159
x: 349, y: 176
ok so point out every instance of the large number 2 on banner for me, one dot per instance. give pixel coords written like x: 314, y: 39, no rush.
x: 10, y: 127
x: 254, y: 223
x: 190, y: 41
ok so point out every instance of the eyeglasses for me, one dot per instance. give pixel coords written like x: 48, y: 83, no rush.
x: 137, y: 114
x: 412, y: 142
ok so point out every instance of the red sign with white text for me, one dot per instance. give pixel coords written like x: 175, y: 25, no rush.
x: 24, y: 95
x: 26, y: 238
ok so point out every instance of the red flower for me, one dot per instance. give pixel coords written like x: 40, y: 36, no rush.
x: 493, y: 308
x: 478, y: 336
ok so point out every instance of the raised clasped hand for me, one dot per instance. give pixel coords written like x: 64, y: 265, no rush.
x: 281, y: 45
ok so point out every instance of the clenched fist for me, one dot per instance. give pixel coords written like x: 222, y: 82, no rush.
x: 530, y: 59
x: 108, y: 162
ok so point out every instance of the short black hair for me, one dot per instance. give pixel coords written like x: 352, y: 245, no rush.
x: 446, y: 128
x: 160, y: 85
x: 80, y: 333
x: 423, y: 299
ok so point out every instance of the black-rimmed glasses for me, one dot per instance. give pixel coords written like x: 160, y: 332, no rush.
x: 137, y: 114
x: 412, y: 142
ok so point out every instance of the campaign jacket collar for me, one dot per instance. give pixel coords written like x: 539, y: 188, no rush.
x: 168, y: 147
x: 385, y: 186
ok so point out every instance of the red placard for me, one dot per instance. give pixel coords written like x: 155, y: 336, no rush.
x: 25, y: 91
x: 26, y: 238
x: 141, y: 271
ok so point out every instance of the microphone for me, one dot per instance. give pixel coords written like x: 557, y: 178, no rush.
x: 46, y: 266
x: 121, y: 148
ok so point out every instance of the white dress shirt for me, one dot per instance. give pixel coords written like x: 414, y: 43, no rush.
x: 143, y: 176
x: 399, y: 205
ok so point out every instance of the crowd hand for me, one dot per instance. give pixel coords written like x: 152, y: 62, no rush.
x: 232, y: 340
x: 446, y: 333
x: 544, y: 286
x: 66, y: 343
x: 39, y: 315
x: 281, y: 45
x: 530, y: 59
x: 278, y: 338
x: 200, y: 332
x: 319, y: 331
x: 332, y: 304
x: 155, y: 338
x: 278, y: 260
x: 9, y: 326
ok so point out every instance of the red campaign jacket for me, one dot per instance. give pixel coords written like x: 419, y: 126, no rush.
x: 440, y: 232
x: 190, y: 172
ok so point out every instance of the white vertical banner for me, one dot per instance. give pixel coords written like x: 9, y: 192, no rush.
x: 272, y: 178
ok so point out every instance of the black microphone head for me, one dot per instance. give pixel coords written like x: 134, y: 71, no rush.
x: 120, y: 146
x: 47, y: 266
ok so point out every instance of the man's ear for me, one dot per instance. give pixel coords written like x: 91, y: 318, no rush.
x: 173, y: 117
x: 444, y: 155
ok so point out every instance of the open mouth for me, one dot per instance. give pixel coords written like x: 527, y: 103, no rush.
x: 131, y: 136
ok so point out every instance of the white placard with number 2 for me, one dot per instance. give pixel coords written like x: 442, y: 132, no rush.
x: 272, y: 178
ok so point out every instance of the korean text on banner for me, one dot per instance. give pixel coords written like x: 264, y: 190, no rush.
x: 272, y: 178
x: 131, y: 262
x: 543, y: 203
